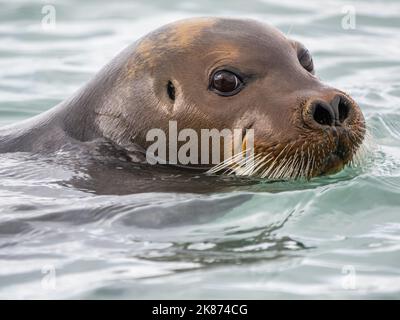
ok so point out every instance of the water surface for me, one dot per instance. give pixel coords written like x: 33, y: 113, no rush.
x: 64, y: 233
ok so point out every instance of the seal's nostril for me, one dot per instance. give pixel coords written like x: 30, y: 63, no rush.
x: 343, y: 109
x: 323, y: 114
x: 341, y: 106
x: 331, y: 114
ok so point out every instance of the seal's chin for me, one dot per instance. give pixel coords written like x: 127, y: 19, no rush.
x: 335, y: 161
x: 333, y: 164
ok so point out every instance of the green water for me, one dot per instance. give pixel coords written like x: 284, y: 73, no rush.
x: 334, y: 237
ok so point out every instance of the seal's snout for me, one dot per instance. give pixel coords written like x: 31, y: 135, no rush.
x: 329, y: 113
x: 335, y: 128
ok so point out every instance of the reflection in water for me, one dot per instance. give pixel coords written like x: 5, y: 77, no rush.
x: 112, y: 229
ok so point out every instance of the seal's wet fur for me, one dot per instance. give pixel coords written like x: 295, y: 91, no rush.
x: 128, y: 97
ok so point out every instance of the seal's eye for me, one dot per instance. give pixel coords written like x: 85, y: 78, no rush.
x: 306, y: 60
x: 225, y: 83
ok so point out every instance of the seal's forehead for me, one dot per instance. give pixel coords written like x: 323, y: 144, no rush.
x: 180, y: 34
x: 184, y: 32
x: 250, y: 36
x: 190, y: 33
x: 201, y: 37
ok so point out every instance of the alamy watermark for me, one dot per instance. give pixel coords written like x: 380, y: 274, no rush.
x: 211, y: 146
x: 349, y: 280
x: 49, y: 279
x: 349, y: 18
x: 49, y: 17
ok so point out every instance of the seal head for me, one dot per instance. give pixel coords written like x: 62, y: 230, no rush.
x: 219, y: 73
x: 234, y: 73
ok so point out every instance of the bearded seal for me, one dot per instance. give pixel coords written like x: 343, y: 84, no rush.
x: 208, y: 73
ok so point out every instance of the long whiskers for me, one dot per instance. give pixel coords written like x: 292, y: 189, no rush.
x: 300, y: 158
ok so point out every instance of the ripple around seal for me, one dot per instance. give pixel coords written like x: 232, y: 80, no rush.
x: 182, y: 235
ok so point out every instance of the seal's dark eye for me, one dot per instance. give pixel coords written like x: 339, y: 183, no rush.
x: 225, y: 83
x: 306, y: 60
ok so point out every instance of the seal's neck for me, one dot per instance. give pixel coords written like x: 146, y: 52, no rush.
x: 79, y: 113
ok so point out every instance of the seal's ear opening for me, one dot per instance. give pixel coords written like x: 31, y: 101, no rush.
x: 171, y: 90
